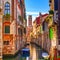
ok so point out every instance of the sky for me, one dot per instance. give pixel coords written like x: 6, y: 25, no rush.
x: 33, y: 7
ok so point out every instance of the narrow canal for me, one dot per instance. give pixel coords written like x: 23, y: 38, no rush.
x: 36, y: 54
x: 17, y: 57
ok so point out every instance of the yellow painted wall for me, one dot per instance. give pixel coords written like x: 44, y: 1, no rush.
x: 52, y: 5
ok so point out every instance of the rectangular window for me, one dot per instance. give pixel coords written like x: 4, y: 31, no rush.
x: 19, y: 31
x: 59, y: 53
x: 6, y: 42
x: 43, y: 26
x: 59, y: 42
x: 21, y: 3
x: 7, y: 29
x: 25, y: 30
x: 55, y: 4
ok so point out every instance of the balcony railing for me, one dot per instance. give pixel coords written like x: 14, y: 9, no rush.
x: 8, y: 36
x: 6, y: 18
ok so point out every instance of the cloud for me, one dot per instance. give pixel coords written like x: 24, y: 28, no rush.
x: 32, y: 13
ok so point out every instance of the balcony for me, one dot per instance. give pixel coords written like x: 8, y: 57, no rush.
x: 6, y: 18
x: 7, y: 36
x: 8, y: 39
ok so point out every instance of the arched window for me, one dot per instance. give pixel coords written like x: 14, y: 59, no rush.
x: 7, y: 8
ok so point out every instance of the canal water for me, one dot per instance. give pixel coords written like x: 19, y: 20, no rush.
x: 18, y: 57
x: 36, y: 54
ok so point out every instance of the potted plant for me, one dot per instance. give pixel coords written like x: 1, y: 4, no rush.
x: 51, y: 12
x: 7, y: 16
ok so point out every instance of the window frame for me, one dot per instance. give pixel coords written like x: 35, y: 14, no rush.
x: 6, y: 42
x: 7, y: 8
x: 5, y: 30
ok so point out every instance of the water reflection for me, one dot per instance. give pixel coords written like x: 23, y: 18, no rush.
x: 35, y: 54
x: 18, y: 57
x: 0, y: 58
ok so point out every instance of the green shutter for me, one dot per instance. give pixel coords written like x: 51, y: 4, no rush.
x: 7, y: 29
x: 50, y: 33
